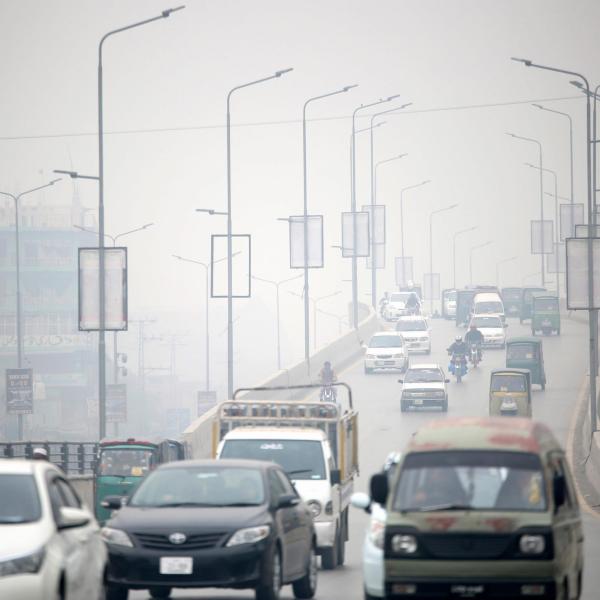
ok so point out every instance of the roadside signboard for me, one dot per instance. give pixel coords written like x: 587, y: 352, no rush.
x: 578, y: 274
x: 19, y: 391
x: 116, y: 403
x: 571, y: 215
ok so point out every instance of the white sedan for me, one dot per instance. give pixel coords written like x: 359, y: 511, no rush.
x: 386, y: 350
x: 51, y: 546
x: 415, y: 331
x: 492, y: 328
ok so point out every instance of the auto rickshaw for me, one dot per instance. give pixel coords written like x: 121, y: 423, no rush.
x: 545, y: 314
x: 511, y: 298
x: 527, y: 301
x: 510, y: 393
x: 526, y: 353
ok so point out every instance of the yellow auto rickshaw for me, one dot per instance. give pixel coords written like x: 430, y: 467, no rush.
x: 510, y: 393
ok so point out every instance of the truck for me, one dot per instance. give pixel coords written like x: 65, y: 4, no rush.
x: 316, y: 443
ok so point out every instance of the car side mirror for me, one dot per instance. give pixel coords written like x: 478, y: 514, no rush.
x: 69, y: 517
x: 559, y: 490
x: 400, y: 380
x: 446, y: 381
x: 379, y: 488
x: 505, y: 325
x: 112, y: 502
x: 288, y: 501
x: 335, y: 477
x: 361, y: 500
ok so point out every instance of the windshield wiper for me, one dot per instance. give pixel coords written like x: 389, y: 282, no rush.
x: 241, y: 504
x: 180, y: 504
x: 298, y: 471
x: 442, y: 507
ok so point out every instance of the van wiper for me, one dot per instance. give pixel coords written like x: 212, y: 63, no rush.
x: 241, y: 504
x: 442, y: 507
x: 180, y: 504
x: 298, y: 471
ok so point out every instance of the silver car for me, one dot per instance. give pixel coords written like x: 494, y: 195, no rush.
x: 424, y: 386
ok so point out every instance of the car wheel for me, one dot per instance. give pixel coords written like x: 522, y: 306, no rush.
x: 543, y: 384
x: 341, y: 544
x: 306, y: 587
x: 116, y: 592
x: 329, y: 558
x: 271, y: 580
x: 403, y: 406
x: 160, y: 592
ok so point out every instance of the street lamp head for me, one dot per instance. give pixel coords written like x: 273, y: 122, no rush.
x: 405, y: 105
x: 71, y: 174
x: 510, y: 134
x: 530, y: 165
x: 525, y: 61
x: 177, y: 256
x: 283, y: 72
x: 389, y: 98
x: 426, y: 181
x: 146, y: 225
x: 349, y: 87
x: 538, y: 106
x: 577, y: 84
x: 167, y: 13
x: 54, y: 181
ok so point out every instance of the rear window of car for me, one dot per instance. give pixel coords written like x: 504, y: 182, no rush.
x: 423, y: 376
x: 19, y: 499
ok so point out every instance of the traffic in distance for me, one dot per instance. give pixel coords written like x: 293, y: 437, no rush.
x: 259, y: 494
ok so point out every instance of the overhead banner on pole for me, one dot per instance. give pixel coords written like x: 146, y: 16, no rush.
x: 404, y: 270
x: 431, y: 286
x: 377, y: 222
x: 19, y: 391
x: 581, y: 231
x: 314, y: 229
x: 557, y: 261
x: 241, y: 265
x: 355, y: 225
x: 542, y: 237
x: 115, y: 289
x: 571, y: 215
x: 578, y: 274
x: 379, y: 257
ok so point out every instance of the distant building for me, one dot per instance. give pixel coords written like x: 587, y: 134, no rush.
x: 62, y: 358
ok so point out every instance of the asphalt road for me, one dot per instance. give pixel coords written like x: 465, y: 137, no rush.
x: 383, y: 428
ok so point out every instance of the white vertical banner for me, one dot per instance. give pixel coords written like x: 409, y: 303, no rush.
x: 542, y: 237
x: 581, y: 231
x: 314, y: 235
x: 578, y: 274
x: 115, y: 289
x: 377, y: 222
x: 403, y: 266
x: 431, y: 286
x: 356, y: 223
x: 379, y: 257
x: 571, y: 215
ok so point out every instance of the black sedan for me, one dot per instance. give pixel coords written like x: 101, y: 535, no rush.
x: 227, y: 523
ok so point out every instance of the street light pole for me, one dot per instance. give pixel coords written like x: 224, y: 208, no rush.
x: 353, y: 208
x: 435, y: 212
x: 277, y: 284
x: 471, y: 259
x: 404, y: 189
x: 275, y: 75
x: 101, y: 266
x: 19, y: 317
x: 501, y: 262
x: 539, y: 145
x: 454, y: 252
x: 305, y: 213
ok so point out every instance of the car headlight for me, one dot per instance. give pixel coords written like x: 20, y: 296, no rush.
x: 315, y: 508
x: 24, y: 564
x: 376, y: 533
x: 438, y: 394
x: 249, y: 535
x: 532, y: 544
x: 117, y: 537
x: 404, y: 544
x: 370, y: 356
x: 401, y: 355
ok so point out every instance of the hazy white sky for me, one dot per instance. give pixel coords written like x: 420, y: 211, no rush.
x: 168, y: 81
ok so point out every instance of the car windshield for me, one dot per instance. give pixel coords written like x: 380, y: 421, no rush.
x: 411, y: 325
x: 126, y: 462
x: 523, y: 351
x: 492, y: 307
x: 549, y: 304
x: 386, y: 341
x: 201, y: 486
x: 511, y: 295
x: 450, y: 296
x: 399, y: 297
x: 507, y: 383
x: 300, y: 459
x: 478, y: 480
x: 423, y: 376
x: 19, y: 499
x: 483, y: 322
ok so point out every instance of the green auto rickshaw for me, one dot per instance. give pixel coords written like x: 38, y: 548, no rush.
x: 511, y: 298
x: 527, y: 300
x: 510, y: 393
x: 545, y: 314
x: 526, y: 353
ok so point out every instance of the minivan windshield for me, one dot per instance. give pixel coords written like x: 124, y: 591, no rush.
x: 300, y: 459
x: 491, y: 480
x: 386, y: 341
x: 201, y: 486
x: 19, y: 499
x: 489, y: 308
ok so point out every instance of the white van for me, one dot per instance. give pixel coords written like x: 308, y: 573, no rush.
x: 488, y: 303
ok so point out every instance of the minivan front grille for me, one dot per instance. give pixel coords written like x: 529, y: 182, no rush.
x: 202, y: 541
x: 466, y: 546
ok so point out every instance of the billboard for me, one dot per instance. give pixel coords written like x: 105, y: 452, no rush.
x: 379, y: 250
x: 314, y: 235
x: 431, y: 286
x: 578, y: 273
x: 571, y: 215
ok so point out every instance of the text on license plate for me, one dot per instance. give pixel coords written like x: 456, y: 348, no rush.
x: 418, y: 401
x: 467, y: 591
x: 176, y: 565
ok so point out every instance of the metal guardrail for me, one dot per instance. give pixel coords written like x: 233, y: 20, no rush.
x: 74, y: 458
x: 315, y: 386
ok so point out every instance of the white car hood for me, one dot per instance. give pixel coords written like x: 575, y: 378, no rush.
x: 21, y: 539
x: 428, y: 385
x: 411, y: 335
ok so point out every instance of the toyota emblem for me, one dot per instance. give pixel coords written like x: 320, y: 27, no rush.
x: 178, y: 538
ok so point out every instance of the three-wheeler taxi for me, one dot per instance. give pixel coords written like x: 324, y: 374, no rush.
x: 527, y: 294
x: 545, y: 314
x: 510, y: 393
x: 526, y: 353
x: 511, y: 298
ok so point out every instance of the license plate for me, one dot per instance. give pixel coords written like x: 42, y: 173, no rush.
x: 176, y: 565
x: 546, y: 323
x: 467, y: 591
x: 418, y: 401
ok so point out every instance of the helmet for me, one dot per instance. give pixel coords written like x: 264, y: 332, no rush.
x: 327, y: 364
x: 40, y: 454
x: 472, y: 326
x: 458, y: 338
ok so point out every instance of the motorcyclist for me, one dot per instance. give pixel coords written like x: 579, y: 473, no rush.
x: 412, y: 304
x: 458, y: 347
x: 327, y: 376
x: 474, y: 336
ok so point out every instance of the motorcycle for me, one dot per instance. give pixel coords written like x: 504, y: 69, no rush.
x: 328, y: 394
x: 475, y: 355
x: 458, y: 366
